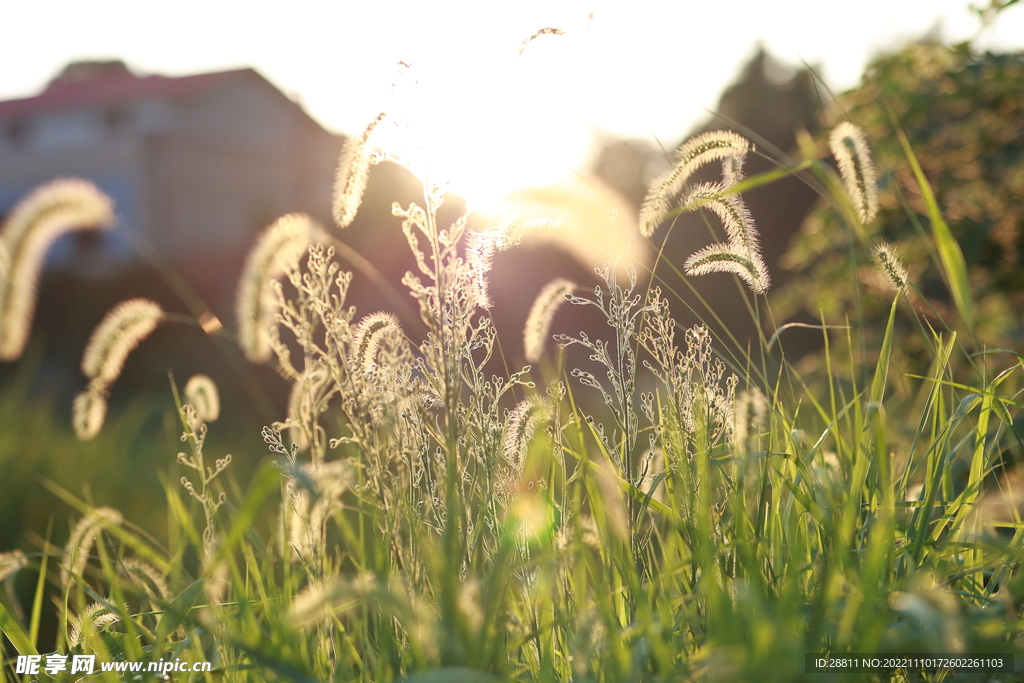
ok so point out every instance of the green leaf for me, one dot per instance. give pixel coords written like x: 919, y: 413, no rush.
x: 882, y: 368
x: 265, y: 483
x: 14, y: 631
x: 954, y: 267
x: 121, y: 534
x: 756, y: 181
x: 178, y: 610
x: 37, y: 599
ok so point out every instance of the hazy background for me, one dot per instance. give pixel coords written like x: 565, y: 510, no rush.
x: 646, y: 69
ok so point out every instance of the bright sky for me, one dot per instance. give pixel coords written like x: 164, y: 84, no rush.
x: 644, y: 68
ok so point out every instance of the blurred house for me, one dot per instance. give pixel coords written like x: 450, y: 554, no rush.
x: 197, y: 164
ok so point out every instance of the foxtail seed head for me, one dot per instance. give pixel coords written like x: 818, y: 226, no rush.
x: 278, y: 248
x: 548, y: 31
x: 891, y: 267
x: 480, y: 248
x: 367, y: 338
x: 88, y: 411
x: 116, y: 336
x: 76, y: 552
x: 856, y: 168
x: 93, y: 619
x: 34, y: 224
x: 723, y: 258
x: 522, y: 424
x: 320, y: 600
x: 542, y: 313
x: 353, y: 171
x: 510, y: 233
x: 305, y: 394
x: 692, y: 155
x: 201, y: 394
x: 11, y: 563
x: 733, y: 212
x: 146, y: 576
x: 750, y: 415
x: 732, y: 170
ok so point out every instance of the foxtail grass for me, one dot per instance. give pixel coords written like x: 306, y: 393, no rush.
x: 31, y: 227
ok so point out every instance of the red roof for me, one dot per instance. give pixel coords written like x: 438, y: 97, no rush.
x: 109, y: 86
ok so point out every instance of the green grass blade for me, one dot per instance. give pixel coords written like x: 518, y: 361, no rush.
x: 758, y: 180
x: 126, y: 537
x: 37, y: 599
x: 265, y: 483
x: 15, y: 632
x: 978, y: 458
x: 954, y: 267
x: 450, y: 674
x: 178, y: 610
x: 882, y: 368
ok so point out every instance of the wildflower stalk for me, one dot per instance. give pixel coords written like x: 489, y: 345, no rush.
x: 194, y: 433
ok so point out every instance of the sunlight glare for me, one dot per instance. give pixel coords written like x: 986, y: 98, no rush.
x: 494, y: 123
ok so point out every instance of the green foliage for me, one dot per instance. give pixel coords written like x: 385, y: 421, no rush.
x: 962, y: 113
x: 36, y: 442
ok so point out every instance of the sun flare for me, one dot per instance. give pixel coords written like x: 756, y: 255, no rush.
x: 499, y: 122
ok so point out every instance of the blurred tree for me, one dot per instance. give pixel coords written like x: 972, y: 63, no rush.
x: 963, y: 113
x: 989, y: 12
